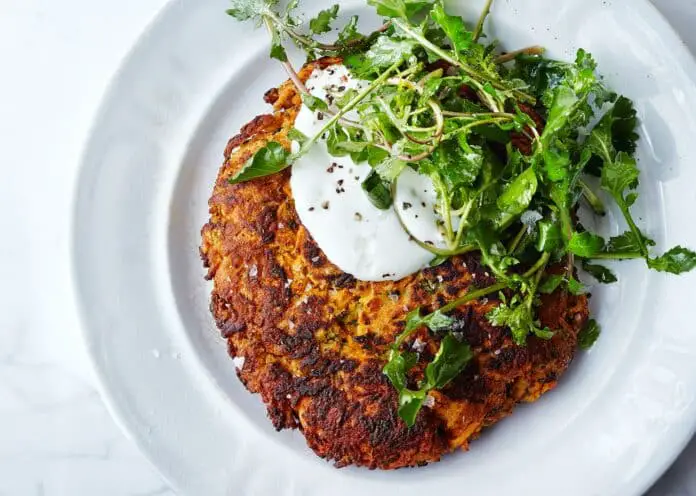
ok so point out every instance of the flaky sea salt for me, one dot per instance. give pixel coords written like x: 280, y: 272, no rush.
x: 418, y: 345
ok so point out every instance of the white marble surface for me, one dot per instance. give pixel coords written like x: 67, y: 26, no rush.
x: 56, y: 438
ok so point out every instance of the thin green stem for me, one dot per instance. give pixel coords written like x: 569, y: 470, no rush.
x: 479, y: 25
x: 493, y: 120
x: 463, y: 221
x: 626, y: 255
x: 592, y: 199
x: 634, y: 228
x: 539, y: 265
x: 537, y: 278
x: 473, y: 295
x: 517, y: 240
x: 507, y: 57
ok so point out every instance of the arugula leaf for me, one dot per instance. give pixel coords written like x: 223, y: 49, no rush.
x: 398, y: 366
x: 453, y: 27
x: 613, y: 140
x: 551, y: 283
x: 624, y: 243
x: 618, y: 127
x: 549, y: 237
x: 575, y: 287
x: 243, y: 10
x: 314, y: 103
x: 568, y: 101
x: 296, y: 135
x: 450, y: 360
x: 619, y: 173
x: 586, y: 244
x: 493, y: 253
x: 676, y: 261
x: 387, y: 51
x: 516, y: 198
x: 322, y: 22
x: 589, y: 335
x: 378, y: 191
x: 540, y: 74
x: 349, y: 32
x: 404, y: 9
x: 599, y: 272
x: 268, y: 160
x: 438, y: 321
x: 448, y: 363
x: 456, y: 166
x: 435, y: 321
x: 410, y: 403
x: 277, y: 50
x: 518, y: 316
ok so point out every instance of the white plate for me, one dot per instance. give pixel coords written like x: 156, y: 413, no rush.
x: 618, y: 418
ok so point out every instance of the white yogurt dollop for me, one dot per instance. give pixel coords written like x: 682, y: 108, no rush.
x: 359, y: 238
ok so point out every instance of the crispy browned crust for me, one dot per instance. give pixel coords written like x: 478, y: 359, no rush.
x: 314, y: 338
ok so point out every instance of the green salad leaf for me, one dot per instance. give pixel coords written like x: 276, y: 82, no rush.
x: 322, y: 22
x: 270, y: 159
x: 589, y: 334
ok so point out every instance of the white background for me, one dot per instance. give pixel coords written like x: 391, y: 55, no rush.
x: 56, y: 438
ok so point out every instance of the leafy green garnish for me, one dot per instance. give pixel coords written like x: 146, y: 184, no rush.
x: 404, y: 9
x: 585, y: 244
x: 378, y: 191
x: 518, y: 315
x: 516, y: 197
x: 314, y: 103
x: 244, y: 10
x: 451, y: 358
x: 454, y: 28
x: 613, y: 140
x: 589, y: 335
x: 270, y: 159
x: 676, y: 261
x: 322, y: 22
x: 599, y: 272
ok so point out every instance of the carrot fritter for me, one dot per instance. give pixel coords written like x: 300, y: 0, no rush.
x: 314, y: 338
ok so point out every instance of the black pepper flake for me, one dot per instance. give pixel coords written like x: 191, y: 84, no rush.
x: 325, y: 205
x: 331, y: 168
x: 323, y: 136
x: 406, y: 205
x: 358, y: 216
x: 311, y: 209
x: 320, y: 116
x: 357, y: 178
x: 429, y: 243
x: 340, y: 182
x: 340, y: 167
x: 423, y: 204
x: 341, y: 88
x: 416, y: 216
